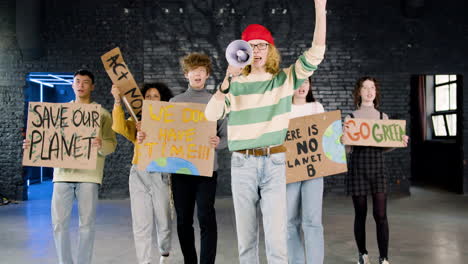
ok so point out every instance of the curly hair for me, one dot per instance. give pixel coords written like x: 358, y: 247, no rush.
x: 357, y: 91
x: 162, y: 88
x: 195, y: 60
x: 272, y: 63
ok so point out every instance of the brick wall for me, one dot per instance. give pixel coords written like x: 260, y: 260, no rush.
x: 364, y: 38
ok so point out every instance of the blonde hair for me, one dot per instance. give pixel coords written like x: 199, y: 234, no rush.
x: 272, y: 63
x: 195, y: 60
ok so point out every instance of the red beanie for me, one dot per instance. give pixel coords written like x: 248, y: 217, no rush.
x: 256, y: 31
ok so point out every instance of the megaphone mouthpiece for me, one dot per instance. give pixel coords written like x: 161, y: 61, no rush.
x: 239, y: 53
x: 242, y: 56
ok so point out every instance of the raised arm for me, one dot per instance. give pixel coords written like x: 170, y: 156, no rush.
x: 124, y: 127
x: 320, y: 31
x: 307, y: 63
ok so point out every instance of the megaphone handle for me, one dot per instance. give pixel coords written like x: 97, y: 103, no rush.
x: 229, y: 86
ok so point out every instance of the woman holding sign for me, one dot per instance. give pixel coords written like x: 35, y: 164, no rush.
x: 304, y: 198
x: 366, y: 173
x: 149, y: 191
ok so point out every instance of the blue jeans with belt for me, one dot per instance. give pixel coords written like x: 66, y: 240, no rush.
x: 260, y: 181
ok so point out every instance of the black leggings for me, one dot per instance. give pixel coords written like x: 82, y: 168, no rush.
x: 379, y: 201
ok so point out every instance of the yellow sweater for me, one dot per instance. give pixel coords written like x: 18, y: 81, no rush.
x: 108, y: 146
x: 126, y: 128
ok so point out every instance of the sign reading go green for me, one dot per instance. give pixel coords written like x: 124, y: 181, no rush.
x: 374, y: 132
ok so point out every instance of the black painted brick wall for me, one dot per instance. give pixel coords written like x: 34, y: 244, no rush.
x: 364, y: 38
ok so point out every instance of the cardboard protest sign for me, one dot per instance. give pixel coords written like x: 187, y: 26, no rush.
x: 61, y: 135
x: 120, y: 75
x: 176, y: 139
x: 374, y: 132
x: 313, y: 147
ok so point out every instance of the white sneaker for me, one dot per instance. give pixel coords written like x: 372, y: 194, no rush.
x: 363, y: 259
x: 164, y: 260
x: 383, y: 261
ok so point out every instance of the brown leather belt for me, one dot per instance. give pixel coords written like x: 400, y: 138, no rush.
x: 265, y: 151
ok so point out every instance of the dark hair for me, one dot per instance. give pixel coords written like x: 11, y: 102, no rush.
x: 310, y: 96
x: 162, y: 88
x: 84, y: 72
x: 357, y: 91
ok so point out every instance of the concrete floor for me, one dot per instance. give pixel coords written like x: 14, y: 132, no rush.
x: 429, y: 227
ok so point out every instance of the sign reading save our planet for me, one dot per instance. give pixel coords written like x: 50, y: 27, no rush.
x: 177, y: 139
x: 61, y: 135
x: 374, y: 132
x: 314, y: 148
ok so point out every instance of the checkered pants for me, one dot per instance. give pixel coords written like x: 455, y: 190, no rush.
x: 366, y: 171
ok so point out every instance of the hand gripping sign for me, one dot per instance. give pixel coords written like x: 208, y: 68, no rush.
x: 61, y: 135
x: 176, y: 139
x: 120, y: 75
x: 374, y: 132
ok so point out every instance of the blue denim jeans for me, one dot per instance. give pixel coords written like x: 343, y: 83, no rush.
x: 305, y: 209
x: 260, y: 181
x: 62, y: 203
x: 150, y: 205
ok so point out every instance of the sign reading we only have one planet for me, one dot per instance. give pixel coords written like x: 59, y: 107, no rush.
x: 374, y: 132
x: 313, y: 147
x: 177, y: 139
x: 61, y: 135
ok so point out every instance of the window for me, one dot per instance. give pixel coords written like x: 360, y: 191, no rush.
x: 444, y: 117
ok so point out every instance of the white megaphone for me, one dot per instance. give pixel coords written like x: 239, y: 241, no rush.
x: 239, y: 53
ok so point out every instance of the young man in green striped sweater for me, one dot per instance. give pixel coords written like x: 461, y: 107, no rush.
x: 258, y: 103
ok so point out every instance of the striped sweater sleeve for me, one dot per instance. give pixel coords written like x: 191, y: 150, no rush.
x: 307, y: 63
x: 217, y: 109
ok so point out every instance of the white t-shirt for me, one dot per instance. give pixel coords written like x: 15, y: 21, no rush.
x: 306, y: 109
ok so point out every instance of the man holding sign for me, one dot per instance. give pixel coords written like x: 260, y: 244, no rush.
x: 189, y: 190
x: 80, y: 184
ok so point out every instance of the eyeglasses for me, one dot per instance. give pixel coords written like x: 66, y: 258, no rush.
x: 260, y: 46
